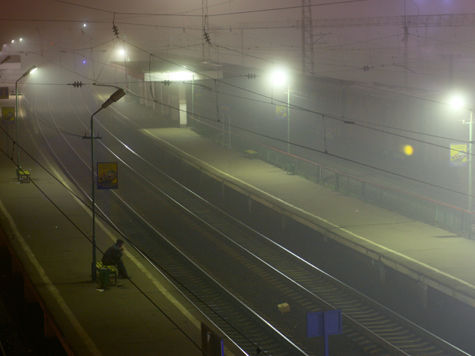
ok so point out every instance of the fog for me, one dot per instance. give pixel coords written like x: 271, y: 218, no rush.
x: 369, y: 122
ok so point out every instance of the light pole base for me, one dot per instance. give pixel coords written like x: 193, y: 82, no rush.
x: 93, y: 271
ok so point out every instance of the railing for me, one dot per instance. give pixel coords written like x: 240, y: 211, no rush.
x: 416, y: 206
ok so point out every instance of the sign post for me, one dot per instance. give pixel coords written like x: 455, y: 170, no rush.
x: 324, y: 324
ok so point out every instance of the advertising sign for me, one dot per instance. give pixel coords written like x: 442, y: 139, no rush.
x: 107, y: 175
x: 458, y: 154
x: 8, y: 113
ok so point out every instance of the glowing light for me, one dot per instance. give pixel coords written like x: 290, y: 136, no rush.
x: 122, y: 52
x: 84, y: 25
x: 408, y: 150
x: 20, y: 39
x: 179, y: 76
x: 278, y: 77
x: 12, y: 41
x: 33, y: 70
x: 457, y: 102
x: 84, y: 61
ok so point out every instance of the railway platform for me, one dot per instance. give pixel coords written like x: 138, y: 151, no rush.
x: 430, y: 255
x: 46, y: 271
x: 46, y: 232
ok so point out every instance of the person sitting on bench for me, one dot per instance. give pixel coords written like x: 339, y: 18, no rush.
x: 113, y: 257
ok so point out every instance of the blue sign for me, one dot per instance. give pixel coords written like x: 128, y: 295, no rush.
x: 324, y: 324
x: 329, y: 321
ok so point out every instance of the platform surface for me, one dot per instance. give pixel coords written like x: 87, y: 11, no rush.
x: 56, y: 250
x: 437, y: 254
x: 56, y: 253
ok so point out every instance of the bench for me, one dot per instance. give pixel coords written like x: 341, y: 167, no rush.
x: 107, y: 275
x: 249, y: 153
x: 23, y: 175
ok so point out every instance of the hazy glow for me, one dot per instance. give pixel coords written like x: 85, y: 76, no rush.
x: 408, y: 150
x: 121, y: 52
x: 84, y: 25
x: 457, y: 102
x: 278, y: 77
x: 20, y: 39
x: 33, y: 70
x: 12, y: 41
x: 178, y: 76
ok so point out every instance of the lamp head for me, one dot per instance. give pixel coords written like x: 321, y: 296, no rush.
x: 117, y: 95
x: 31, y: 70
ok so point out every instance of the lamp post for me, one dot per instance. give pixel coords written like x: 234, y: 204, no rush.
x: 119, y: 93
x: 469, y: 159
x: 31, y: 70
x: 278, y: 78
x: 457, y: 103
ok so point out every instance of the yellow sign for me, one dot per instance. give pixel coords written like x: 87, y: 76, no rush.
x: 458, y: 154
x: 107, y: 175
x: 8, y: 113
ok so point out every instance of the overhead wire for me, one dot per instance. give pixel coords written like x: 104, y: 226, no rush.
x: 150, y: 260
x: 304, y: 109
x: 270, y: 101
x: 85, y: 235
x: 305, y: 147
x: 292, y: 106
x: 229, y: 13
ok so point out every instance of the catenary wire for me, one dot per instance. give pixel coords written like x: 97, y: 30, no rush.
x: 230, y: 13
x: 207, y: 118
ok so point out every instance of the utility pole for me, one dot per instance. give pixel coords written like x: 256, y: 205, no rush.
x: 307, y: 38
x: 205, y: 27
x: 405, y: 40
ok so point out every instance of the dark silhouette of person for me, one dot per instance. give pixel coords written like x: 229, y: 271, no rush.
x: 113, y: 257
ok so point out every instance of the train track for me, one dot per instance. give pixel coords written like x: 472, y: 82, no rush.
x: 236, y: 276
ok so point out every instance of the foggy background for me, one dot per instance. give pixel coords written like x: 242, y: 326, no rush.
x: 382, y: 72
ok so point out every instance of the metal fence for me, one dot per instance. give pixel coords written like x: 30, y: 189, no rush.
x: 446, y: 216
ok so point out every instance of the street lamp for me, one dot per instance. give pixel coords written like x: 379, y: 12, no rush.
x: 31, y: 70
x: 278, y: 77
x: 119, y: 93
x: 458, y: 102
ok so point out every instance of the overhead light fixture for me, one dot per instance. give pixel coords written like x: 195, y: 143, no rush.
x: 278, y: 77
x: 122, y: 52
x: 457, y: 102
x: 178, y: 76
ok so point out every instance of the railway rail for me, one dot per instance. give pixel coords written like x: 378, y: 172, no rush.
x: 232, y: 273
